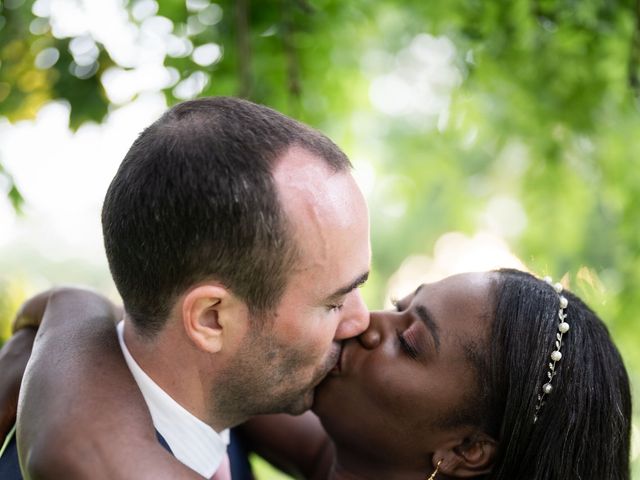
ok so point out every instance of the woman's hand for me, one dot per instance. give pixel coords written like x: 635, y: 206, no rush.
x: 31, y: 312
x: 14, y: 356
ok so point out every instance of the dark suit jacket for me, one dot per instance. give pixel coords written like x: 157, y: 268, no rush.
x: 9, y: 465
x: 240, y: 468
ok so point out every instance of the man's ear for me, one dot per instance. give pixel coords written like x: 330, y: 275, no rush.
x: 468, y: 458
x: 205, y: 313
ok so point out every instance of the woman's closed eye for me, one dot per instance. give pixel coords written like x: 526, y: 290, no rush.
x: 406, y: 345
x: 412, y: 340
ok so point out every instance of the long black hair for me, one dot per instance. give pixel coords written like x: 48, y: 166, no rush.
x: 583, y: 429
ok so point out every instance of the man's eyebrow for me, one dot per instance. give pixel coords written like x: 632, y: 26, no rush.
x: 341, y: 292
x: 427, y: 319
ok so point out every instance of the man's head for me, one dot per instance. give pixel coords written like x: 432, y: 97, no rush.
x: 202, y: 203
x: 194, y: 199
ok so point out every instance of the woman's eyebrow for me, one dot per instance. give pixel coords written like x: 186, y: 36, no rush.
x: 427, y: 319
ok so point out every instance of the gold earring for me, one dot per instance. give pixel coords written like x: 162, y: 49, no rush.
x: 435, y: 472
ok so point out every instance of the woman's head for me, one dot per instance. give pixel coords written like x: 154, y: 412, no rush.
x: 406, y: 389
x: 454, y: 374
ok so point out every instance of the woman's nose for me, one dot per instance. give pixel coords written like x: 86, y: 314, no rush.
x: 372, y: 336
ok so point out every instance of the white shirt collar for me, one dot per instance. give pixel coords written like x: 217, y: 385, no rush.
x: 192, y: 441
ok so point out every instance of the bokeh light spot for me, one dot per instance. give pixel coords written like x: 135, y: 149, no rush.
x: 47, y: 58
x: 208, y: 54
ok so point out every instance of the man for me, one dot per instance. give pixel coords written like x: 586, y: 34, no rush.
x: 237, y: 239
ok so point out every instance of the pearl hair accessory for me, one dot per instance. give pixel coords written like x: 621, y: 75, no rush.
x: 556, y: 355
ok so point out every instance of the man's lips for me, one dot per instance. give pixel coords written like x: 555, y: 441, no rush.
x: 337, y: 368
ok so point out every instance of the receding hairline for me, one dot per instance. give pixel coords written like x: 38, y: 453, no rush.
x: 207, y: 112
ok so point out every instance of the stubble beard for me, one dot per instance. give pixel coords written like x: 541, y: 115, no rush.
x: 266, y: 378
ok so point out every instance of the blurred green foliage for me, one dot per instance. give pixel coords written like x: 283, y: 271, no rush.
x: 545, y: 112
x: 11, y: 296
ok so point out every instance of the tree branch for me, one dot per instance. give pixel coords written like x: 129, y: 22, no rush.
x: 293, y: 70
x: 243, y: 48
x: 634, y: 54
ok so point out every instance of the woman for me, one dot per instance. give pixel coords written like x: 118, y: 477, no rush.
x: 462, y: 382
x: 494, y: 375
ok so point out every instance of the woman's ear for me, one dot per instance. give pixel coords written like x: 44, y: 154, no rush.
x: 469, y: 458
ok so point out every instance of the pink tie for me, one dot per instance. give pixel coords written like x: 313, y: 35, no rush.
x: 224, y: 471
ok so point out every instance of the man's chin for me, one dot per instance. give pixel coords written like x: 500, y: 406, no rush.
x: 303, y: 403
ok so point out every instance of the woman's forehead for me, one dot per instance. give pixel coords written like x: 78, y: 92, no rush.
x: 476, y: 284
x: 456, y: 300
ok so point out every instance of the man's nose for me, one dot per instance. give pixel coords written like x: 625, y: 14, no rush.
x: 355, y: 317
x: 372, y: 336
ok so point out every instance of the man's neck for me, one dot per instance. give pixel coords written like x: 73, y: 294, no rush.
x: 174, y: 365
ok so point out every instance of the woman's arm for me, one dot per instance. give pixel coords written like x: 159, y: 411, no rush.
x: 80, y: 413
x: 82, y: 416
x: 297, y: 445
